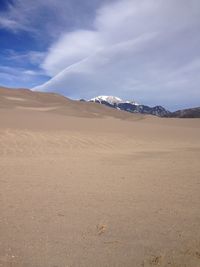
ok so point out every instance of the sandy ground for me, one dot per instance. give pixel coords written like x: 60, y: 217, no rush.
x: 97, y: 191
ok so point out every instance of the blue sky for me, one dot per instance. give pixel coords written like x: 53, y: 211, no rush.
x: 145, y: 50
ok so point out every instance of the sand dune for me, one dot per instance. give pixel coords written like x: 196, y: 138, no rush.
x: 39, y: 101
x: 85, y: 185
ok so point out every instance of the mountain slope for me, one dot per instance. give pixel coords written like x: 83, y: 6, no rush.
x: 130, y: 106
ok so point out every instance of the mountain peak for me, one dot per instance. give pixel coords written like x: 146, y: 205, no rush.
x: 109, y: 99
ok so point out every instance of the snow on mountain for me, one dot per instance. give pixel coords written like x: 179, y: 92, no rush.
x: 109, y: 99
x: 131, y: 102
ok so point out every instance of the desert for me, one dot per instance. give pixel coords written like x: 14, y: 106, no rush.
x: 85, y: 185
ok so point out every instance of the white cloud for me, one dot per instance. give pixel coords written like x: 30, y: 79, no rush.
x: 13, y: 75
x: 33, y: 57
x: 10, y: 24
x: 48, y: 19
x: 138, y: 49
x: 71, y: 48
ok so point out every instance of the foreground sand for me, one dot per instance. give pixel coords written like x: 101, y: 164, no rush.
x: 78, y: 191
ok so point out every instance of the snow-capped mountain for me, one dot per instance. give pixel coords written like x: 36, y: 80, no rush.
x: 109, y: 99
x: 112, y: 100
x: 130, y: 106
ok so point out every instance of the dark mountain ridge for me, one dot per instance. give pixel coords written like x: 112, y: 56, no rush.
x: 186, y: 113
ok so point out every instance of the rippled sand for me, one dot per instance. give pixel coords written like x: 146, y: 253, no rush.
x: 97, y: 189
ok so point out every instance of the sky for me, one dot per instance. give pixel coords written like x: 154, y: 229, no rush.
x: 142, y: 50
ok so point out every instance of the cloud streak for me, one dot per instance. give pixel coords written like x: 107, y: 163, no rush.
x: 48, y: 18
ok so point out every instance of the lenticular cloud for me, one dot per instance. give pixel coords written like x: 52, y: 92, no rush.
x: 136, y: 49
